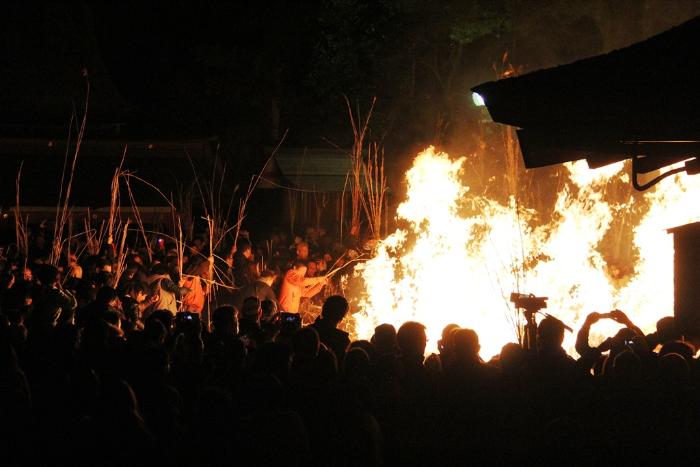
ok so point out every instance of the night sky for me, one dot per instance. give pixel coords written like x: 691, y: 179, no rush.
x: 245, y: 72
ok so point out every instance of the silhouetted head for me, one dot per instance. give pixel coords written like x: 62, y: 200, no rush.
x: 106, y: 296
x: 367, y: 346
x: 673, y: 370
x: 334, y: 309
x: 384, y: 339
x: 224, y: 321
x: 411, y: 338
x: 267, y: 276
x: 47, y: 275
x: 512, y: 358
x: 627, y: 367
x: 667, y: 330
x: 104, y: 278
x: 465, y: 345
x: 356, y: 364
x: 154, y: 331
x: 165, y: 317
x: 250, y: 310
x: 682, y: 348
x: 85, y: 291
x: 306, y: 343
x: 269, y: 310
x: 445, y: 342
x: 550, y: 334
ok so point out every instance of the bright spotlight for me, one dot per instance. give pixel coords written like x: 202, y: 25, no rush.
x: 478, y: 100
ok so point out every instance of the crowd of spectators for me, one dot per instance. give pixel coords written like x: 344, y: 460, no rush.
x: 138, y: 372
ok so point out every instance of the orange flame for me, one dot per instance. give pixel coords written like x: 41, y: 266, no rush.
x: 446, y: 266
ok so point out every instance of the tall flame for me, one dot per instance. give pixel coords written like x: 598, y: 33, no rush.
x: 460, y: 255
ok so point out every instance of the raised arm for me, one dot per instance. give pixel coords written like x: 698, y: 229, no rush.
x: 317, y: 285
x: 582, y: 346
x: 623, y: 319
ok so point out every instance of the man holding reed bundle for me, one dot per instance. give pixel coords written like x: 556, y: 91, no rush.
x: 296, y: 286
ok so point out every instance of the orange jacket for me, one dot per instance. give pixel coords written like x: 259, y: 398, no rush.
x: 193, y: 301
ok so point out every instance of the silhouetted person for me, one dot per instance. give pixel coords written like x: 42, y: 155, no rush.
x: 552, y: 359
x: 50, y: 299
x: 334, y: 310
x: 224, y: 351
x: 243, y: 263
x: 384, y: 340
x: 250, y: 331
x: 666, y: 331
x: 121, y: 435
x: 261, y: 288
x: 270, y: 319
x: 411, y: 339
x: 105, y: 301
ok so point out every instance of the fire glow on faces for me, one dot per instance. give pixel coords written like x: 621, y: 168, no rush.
x: 458, y: 255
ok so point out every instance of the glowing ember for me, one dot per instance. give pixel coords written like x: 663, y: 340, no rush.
x: 460, y: 255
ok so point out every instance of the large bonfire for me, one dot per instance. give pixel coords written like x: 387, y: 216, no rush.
x: 458, y: 256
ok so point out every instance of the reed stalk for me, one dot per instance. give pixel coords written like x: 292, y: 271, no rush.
x: 63, y: 211
x: 114, y: 200
x: 21, y: 225
x: 122, y: 252
x: 359, y: 129
x: 375, y: 186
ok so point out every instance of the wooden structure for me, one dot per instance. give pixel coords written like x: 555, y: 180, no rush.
x: 686, y: 273
x: 641, y: 102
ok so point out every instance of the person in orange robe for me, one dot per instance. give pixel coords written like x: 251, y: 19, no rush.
x: 196, y: 286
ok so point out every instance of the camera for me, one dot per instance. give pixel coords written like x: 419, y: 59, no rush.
x: 528, y: 301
